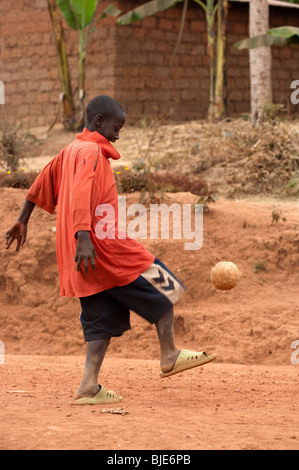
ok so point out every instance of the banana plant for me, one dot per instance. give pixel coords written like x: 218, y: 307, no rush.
x: 216, y: 51
x: 80, y: 16
x: 66, y: 96
x: 220, y: 91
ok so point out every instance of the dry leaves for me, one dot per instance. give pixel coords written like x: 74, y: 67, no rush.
x: 115, y: 411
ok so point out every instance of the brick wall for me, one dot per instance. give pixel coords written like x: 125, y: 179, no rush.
x: 144, y: 78
x: 29, y: 66
x: 132, y: 63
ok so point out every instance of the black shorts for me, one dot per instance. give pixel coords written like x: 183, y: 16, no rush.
x: 151, y: 295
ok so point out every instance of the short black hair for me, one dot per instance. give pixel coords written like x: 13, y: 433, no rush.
x: 104, y: 105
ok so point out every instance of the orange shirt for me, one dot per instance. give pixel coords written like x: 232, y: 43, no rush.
x: 79, y: 181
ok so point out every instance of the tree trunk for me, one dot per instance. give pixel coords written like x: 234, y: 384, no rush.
x: 260, y: 61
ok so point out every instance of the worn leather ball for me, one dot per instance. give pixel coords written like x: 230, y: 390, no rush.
x: 225, y: 275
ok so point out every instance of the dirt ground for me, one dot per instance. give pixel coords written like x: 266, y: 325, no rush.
x: 221, y: 406
x: 246, y: 399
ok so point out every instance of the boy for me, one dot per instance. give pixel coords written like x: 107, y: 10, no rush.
x: 124, y: 275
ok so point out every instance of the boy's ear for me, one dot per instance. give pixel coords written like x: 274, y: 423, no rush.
x: 99, y: 120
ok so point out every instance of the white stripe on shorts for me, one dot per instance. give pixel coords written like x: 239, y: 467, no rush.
x: 164, y: 282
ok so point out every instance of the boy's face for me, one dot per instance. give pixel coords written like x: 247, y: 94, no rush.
x: 110, y: 128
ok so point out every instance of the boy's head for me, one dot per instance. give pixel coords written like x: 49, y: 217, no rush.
x: 106, y: 116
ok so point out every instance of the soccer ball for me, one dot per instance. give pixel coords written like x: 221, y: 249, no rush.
x: 225, y: 275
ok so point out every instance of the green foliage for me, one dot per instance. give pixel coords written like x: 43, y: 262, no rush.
x: 272, y: 113
x: 276, y: 216
x: 147, y: 9
x: 150, y: 8
x: 79, y: 14
x: 282, y: 36
x: 259, y: 267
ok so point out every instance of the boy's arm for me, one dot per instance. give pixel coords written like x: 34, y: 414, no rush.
x: 18, y: 231
x: 43, y: 193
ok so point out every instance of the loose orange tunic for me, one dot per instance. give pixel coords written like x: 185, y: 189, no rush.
x: 79, y: 181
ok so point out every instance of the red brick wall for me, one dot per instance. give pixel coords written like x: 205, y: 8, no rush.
x: 144, y: 79
x: 29, y: 66
x: 132, y: 63
x: 28, y: 61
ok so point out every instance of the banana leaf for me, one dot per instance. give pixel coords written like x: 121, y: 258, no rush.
x: 147, y: 9
x: 282, y: 36
x: 290, y: 33
x: 78, y: 13
x: 110, y: 10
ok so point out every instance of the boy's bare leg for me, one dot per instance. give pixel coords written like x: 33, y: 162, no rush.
x: 169, y: 351
x: 96, y: 351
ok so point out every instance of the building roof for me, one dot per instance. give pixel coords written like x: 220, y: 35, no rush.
x: 276, y: 3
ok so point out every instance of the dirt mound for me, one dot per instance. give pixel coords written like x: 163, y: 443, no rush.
x: 254, y: 323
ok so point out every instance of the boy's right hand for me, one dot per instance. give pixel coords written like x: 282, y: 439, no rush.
x: 85, y: 251
x: 18, y: 232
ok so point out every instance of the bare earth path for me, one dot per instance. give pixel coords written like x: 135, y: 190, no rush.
x: 220, y: 406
